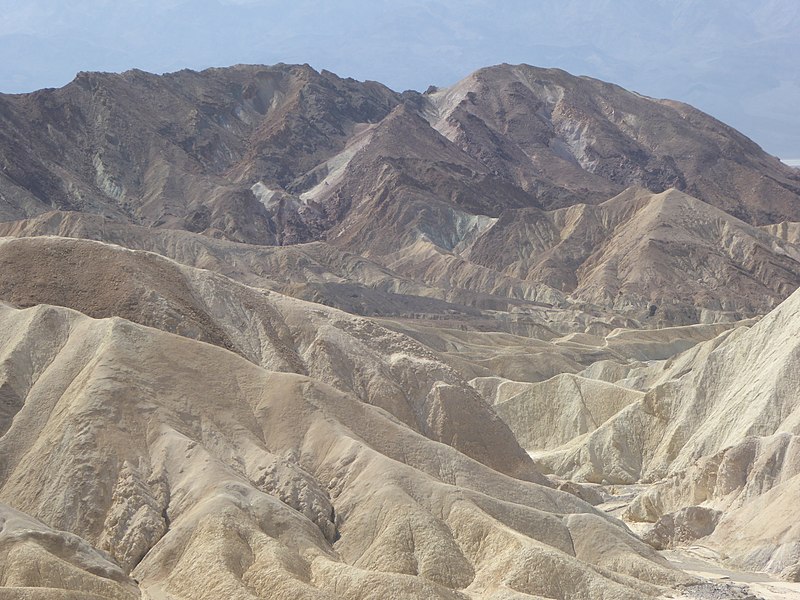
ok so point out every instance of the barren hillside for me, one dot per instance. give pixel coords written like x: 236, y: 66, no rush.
x: 270, y: 333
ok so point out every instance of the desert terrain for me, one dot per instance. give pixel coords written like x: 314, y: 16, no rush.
x: 272, y: 333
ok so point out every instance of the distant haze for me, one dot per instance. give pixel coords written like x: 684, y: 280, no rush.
x: 735, y: 59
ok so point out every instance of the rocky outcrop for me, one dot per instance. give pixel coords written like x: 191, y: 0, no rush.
x: 38, y: 561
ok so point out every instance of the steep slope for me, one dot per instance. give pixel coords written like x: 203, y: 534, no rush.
x: 744, y: 386
x: 665, y: 257
x: 748, y: 488
x: 548, y: 414
x: 787, y: 231
x: 561, y: 137
x: 715, y: 435
x: 207, y: 476
x: 180, y: 150
x: 408, y: 183
x: 36, y: 561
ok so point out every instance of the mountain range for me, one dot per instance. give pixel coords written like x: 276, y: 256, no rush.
x: 271, y: 333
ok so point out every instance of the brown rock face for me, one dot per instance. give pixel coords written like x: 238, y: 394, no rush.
x: 184, y: 150
x: 563, y: 136
x: 494, y: 186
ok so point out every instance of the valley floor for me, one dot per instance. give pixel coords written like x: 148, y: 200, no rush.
x: 702, y: 562
x: 722, y: 583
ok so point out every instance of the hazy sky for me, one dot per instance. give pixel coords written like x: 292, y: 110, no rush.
x: 736, y: 59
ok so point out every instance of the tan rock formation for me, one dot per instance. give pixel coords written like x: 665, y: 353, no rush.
x: 274, y: 485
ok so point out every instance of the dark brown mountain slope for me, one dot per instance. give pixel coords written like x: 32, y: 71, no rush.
x: 550, y: 131
x: 408, y: 182
x: 263, y: 154
x: 180, y: 150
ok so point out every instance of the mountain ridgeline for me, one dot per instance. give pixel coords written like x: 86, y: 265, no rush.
x: 276, y: 156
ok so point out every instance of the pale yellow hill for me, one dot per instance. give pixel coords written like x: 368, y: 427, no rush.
x: 211, y: 477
